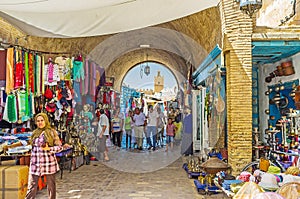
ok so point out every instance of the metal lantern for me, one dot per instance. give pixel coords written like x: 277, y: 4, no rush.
x: 250, y: 6
x: 147, y: 70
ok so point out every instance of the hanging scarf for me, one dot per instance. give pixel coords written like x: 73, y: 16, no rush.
x: 26, y: 71
x: 42, y: 75
x: 10, y: 110
x: 23, y: 106
x: 9, y: 70
x: 37, y: 74
x: 50, y: 71
x: 48, y: 131
x: 19, y: 75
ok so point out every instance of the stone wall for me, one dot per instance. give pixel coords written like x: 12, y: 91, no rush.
x: 237, y: 31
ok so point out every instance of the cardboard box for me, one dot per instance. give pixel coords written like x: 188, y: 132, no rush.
x: 13, y: 181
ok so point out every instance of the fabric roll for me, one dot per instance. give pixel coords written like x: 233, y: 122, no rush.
x: 9, y: 70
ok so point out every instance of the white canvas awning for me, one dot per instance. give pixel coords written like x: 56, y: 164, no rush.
x: 82, y: 18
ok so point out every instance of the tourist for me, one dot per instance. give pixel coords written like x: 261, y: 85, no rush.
x: 152, y: 128
x: 45, y: 143
x: 117, y: 129
x: 160, y: 127
x: 128, y: 129
x: 170, y: 131
x: 187, y: 133
x: 103, y: 134
x: 139, y: 122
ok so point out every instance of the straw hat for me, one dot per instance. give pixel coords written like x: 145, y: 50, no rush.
x: 290, y: 190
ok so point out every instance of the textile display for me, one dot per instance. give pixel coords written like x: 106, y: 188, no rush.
x: 3, y: 64
x: 9, y: 70
x: 10, y: 110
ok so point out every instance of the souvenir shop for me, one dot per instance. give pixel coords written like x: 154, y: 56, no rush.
x: 275, y: 165
x: 208, y: 103
x: 60, y: 85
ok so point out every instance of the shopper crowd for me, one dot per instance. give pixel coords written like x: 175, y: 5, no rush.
x: 141, y: 131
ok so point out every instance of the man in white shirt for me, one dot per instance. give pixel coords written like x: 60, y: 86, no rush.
x: 153, y: 118
x: 139, y: 123
x: 103, y: 133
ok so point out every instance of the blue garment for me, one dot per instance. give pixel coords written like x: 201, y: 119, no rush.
x: 78, y: 70
x: 151, y: 129
x: 188, y: 124
x: 77, y: 96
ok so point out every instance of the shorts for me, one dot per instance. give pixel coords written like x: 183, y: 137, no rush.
x: 102, y: 144
x: 170, y: 139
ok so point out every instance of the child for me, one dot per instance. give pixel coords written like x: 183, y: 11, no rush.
x: 128, y: 129
x: 170, y: 133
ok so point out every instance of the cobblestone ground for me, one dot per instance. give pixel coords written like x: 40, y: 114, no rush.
x: 106, y: 180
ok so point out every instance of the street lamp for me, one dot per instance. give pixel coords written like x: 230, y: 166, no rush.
x: 249, y: 7
x: 147, y: 67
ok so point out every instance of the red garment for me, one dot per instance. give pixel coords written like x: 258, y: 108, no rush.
x: 170, y: 129
x: 19, y: 75
x: 31, y: 72
x: 2, y: 64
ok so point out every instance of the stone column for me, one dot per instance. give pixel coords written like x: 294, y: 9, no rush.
x: 237, y: 29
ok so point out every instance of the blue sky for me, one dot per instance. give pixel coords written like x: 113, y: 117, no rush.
x: 133, y: 77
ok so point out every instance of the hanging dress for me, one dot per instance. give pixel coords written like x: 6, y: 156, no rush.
x: 23, y: 106
x: 10, y: 110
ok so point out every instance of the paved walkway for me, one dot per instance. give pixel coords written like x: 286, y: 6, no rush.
x: 129, y: 174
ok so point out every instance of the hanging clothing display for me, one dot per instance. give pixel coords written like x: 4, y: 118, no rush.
x: 51, y: 73
x: 31, y: 71
x: 60, y: 61
x: 78, y: 70
x: 87, y: 74
x: 9, y: 70
x: 92, y: 88
x: 31, y: 105
x: 10, y: 110
x: 26, y: 71
x: 23, y: 105
x: 18, y: 75
x: 3, y: 64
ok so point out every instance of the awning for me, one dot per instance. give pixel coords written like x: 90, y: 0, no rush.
x: 81, y: 18
x: 264, y: 52
x: 208, y: 66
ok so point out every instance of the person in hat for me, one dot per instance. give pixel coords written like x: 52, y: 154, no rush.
x: 45, y: 143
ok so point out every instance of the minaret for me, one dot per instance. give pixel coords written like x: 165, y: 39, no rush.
x: 158, y: 83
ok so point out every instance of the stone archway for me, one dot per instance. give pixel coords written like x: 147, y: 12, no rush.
x: 119, y: 68
x: 169, y: 47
